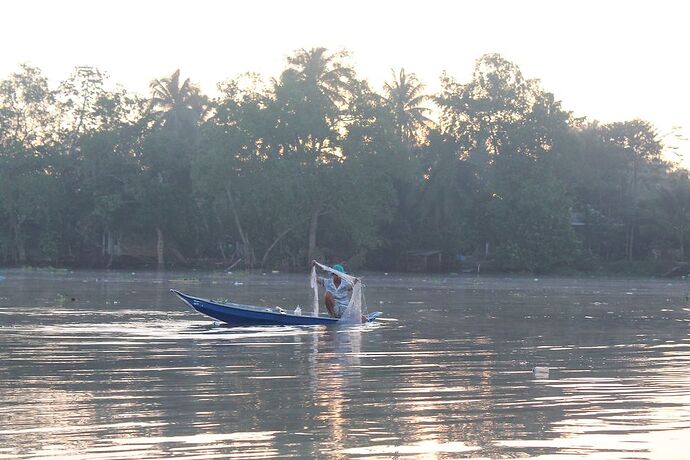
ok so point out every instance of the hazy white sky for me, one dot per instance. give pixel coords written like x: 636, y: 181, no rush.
x: 608, y: 60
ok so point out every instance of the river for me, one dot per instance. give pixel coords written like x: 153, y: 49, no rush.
x: 108, y: 364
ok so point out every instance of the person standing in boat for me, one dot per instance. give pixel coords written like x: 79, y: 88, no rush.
x: 338, y: 292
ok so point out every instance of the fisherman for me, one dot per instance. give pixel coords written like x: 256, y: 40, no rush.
x: 338, y: 292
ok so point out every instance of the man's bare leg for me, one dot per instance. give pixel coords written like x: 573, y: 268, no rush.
x: 330, y: 304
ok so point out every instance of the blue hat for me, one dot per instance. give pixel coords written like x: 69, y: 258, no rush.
x: 339, y: 268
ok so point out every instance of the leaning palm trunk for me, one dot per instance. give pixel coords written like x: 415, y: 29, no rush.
x: 246, y: 251
x: 280, y: 236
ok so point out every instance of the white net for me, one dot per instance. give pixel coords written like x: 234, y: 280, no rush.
x: 314, y: 285
x: 353, y: 312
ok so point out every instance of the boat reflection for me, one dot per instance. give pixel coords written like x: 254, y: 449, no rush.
x: 334, y: 381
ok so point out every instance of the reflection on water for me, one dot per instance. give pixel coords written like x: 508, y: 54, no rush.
x: 109, y: 365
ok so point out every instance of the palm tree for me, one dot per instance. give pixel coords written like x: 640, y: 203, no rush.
x: 178, y: 105
x: 314, y: 92
x: 327, y: 72
x: 404, y: 97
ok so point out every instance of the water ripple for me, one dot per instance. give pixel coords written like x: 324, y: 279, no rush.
x: 115, y: 368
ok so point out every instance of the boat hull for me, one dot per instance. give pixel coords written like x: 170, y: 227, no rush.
x: 245, y: 315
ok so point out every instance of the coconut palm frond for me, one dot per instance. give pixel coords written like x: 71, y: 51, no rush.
x: 405, y: 98
x: 176, y: 104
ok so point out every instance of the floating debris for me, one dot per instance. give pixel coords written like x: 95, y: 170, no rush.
x: 541, y: 372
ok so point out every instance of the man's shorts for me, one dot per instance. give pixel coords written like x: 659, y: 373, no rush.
x: 340, y: 309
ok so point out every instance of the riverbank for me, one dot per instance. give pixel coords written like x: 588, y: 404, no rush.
x: 636, y: 269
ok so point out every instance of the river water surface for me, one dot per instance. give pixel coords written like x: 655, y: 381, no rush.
x: 110, y: 365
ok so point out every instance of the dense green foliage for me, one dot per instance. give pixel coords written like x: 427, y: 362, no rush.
x: 315, y: 164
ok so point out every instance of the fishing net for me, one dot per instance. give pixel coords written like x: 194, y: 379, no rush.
x: 353, y: 312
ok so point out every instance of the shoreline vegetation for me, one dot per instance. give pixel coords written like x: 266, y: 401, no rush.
x: 491, y: 173
x: 635, y: 270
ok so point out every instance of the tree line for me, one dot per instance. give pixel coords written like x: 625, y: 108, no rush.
x: 272, y: 173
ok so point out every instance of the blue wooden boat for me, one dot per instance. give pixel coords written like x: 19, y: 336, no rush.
x: 247, y: 315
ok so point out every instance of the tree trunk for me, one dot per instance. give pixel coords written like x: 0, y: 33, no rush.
x: 19, y: 247
x: 113, y: 246
x: 247, y: 251
x: 222, y: 251
x: 276, y: 241
x: 681, y: 240
x: 631, y: 238
x: 106, y: 247
x: 178, y: 255
x: 160, y: 246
